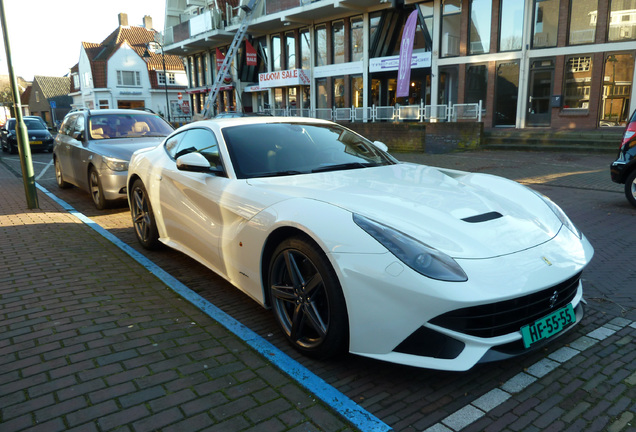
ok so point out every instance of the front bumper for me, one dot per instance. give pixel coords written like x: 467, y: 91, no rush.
x: 113, y: 184
x: 391, y: 311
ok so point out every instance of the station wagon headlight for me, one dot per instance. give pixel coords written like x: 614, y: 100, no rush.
x: 563, y: 218
x: 115, y: 164
x: 422, y: 258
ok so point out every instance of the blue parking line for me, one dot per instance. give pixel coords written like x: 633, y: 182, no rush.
x: 340, y: 403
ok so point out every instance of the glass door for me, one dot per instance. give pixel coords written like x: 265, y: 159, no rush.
x: 541, y: 79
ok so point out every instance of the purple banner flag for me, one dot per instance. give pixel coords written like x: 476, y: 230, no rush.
x: 406, y: 50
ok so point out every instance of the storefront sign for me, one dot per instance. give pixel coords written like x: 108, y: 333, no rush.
x: 250, y: 54
x: 219, y: 59
x: 254, y: 88
x: 351, y: 68
x: 285, y: 78
x: 392, y: 63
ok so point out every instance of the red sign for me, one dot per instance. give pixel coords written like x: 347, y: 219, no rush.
x: 179, y: 96
x: 185, y: 107
x: 250, y: 54
x: 219, y: 59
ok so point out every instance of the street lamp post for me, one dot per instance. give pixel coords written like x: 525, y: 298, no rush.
x: 165, y: 75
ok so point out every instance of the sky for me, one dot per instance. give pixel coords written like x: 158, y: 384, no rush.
x: 46, y: 35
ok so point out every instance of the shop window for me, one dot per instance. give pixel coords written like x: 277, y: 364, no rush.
x: 321, y: 92
x: 276, y: 54
x: 451, y: 26
x: 577, y: 82
x: 506, y: 93
x: 305, y: 50
x: 546, y: 23
x: 480, y: 19
x: 476, y: 84
x: 622, y: 20
x: 321, y: 45
x: 191, y: 71
x: 617, y: 89
x: 338, y: 42
x: 103, y: 104
x: 357, y: 39
x: 339, y: 92
x: 200, y: 72
x: 357, y: 91
x: 261, y: 55
x: 290, y: 50
x: 511, y: 25
x: 426, y: 11
x: 582, y: 22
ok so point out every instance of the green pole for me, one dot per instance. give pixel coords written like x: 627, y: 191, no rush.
x: 26, y: 163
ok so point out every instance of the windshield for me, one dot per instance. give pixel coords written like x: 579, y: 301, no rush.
x: 274, y: 149
x: 31, y: 124
x: 106, y: 126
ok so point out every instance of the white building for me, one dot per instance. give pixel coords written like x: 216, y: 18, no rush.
x: 129, y: 70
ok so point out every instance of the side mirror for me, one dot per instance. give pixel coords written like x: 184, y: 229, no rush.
x: 381, y: 146
x: 78, y: 135
x: 195, y: 162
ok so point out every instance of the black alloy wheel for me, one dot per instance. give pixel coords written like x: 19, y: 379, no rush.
x: 143, y: 218
x: 96, y: 191
x: 307, y: 299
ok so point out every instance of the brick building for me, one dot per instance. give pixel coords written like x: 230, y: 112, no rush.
x: 559, y: 64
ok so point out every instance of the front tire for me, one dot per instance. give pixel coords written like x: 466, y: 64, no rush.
x: 96, y: 191
x: 630, y: 188
x: 143, y: 217
x: 307, y: 299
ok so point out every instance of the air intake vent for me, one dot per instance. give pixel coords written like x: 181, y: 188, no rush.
x: 483, y: 217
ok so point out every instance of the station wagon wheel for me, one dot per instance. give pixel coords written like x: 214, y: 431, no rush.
x: 143, y: 217
x: 59, y: 178
x: 307, y: 299
x: 95, y: 188
x: 630, y: 188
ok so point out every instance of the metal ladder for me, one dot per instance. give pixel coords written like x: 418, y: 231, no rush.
x: 208, y: 109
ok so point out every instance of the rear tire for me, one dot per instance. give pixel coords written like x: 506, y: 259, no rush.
x: 307, y: 299
x: 59, y: 178
x: 630, y: 188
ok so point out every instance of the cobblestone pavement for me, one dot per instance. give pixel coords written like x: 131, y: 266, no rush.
x: 96, y: 349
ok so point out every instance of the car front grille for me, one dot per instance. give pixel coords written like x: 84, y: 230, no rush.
x: 497, y: 319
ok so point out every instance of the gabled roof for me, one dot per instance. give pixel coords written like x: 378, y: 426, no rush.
x: 53, y: 86
x: 137, y: 38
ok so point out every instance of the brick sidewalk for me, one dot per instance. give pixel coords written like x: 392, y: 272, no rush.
x: 91, y: 341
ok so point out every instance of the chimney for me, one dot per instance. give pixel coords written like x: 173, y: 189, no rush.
x: 147, y: 22
x: 123, y: 19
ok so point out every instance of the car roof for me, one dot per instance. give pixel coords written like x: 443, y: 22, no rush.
x: 236, y: 121
x: 111, y: 111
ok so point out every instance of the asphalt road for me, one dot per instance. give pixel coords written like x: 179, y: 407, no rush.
x: 407, y: 398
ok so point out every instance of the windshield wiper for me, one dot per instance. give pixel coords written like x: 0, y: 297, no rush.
x: 344, y: 166
x: 277, y: 174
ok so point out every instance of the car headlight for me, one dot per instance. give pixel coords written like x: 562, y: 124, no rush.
x: 422, y: 258
x: 115, y: 164
x: 565, y: 220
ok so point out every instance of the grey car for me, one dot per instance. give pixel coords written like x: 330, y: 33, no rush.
x: 93, y: 148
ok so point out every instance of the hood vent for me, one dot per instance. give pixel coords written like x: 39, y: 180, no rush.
x: 483, y: 217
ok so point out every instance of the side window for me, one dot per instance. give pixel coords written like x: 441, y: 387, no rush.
x: 172, y: 144
x: 202, y: 141
x: 78, y: 128
x: 68, y: 124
